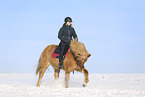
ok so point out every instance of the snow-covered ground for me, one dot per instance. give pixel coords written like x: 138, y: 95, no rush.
x: 100, y: 85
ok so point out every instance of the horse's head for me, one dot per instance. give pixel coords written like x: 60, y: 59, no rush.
x: 79, y: 51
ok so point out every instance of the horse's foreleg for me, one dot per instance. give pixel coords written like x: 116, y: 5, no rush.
x: 86, y: 77
x: 67, y: 75
x: 56, y: 74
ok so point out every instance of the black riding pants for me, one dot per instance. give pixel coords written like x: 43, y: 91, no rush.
x: 64, y: 49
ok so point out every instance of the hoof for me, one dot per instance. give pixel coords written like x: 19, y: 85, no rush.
x: 37, y: 85
x: 84, y: 85
x: 66, y: 86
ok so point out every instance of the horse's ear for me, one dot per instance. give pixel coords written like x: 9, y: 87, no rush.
x: 89, y: 55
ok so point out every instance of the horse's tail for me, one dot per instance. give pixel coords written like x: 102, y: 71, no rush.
x: 39, y: 65
x: 43, y: 62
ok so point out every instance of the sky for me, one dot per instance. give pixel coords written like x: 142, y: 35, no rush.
x: 113, y: 31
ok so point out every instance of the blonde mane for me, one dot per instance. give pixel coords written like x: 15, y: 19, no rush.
x: 79, y: 50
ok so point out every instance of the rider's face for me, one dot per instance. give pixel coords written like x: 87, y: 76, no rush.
x: 68, y: 23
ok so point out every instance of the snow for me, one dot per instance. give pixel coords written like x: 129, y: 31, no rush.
x: 100, y: 85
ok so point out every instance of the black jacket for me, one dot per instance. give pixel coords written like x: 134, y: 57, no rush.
x: 65, y: 34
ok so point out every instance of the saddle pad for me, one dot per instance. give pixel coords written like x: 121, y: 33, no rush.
x: 56, y: 55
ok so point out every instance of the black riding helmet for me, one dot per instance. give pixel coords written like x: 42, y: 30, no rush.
x: 67, y: 19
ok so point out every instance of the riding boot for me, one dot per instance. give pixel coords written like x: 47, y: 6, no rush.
x: 61, y: 66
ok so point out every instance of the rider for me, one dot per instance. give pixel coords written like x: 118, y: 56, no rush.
x: 65, y: 35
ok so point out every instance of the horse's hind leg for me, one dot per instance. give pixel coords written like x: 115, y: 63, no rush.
x: 56, y: 74
x: 67, y: 75
x: 41, y: 73
x: 86, y: 77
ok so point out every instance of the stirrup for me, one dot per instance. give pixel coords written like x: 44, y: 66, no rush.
x: 61, y: 66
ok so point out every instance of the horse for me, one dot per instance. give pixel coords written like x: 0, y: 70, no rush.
x: 74, y: 60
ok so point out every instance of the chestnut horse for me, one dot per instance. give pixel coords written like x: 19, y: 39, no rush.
x: 74, y: 60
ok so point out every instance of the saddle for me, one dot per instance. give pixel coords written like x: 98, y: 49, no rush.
x: 56, y: 52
